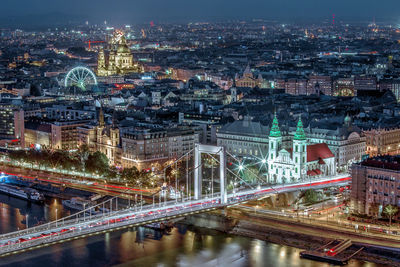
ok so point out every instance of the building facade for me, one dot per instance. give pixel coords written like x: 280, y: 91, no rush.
x: 147, y: 148
x: 244, y: 138
x: 375, y: 184
x: 248, y: 79
x: 12, y: 123
x: 382, y: 141
x: 103, y: 138
x: 347, y: 142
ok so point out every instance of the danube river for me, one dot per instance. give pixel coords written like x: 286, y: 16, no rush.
x: 143, y: 247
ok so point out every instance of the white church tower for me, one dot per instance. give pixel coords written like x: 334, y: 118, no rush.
x: 300, y: 151
x: 274, y: 145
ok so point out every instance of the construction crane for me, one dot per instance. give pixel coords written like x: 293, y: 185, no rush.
x: 93, y: 42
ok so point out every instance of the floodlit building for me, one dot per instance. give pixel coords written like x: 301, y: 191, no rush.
x: 248, y: 79
x: 103, y: 138
x: 117, y: 59
x: 300, y: 161
x: 383, y: 141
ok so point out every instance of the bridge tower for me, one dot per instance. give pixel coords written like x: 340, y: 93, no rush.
x: 215, y: 150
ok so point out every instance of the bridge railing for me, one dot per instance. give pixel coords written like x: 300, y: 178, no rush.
x: 86, y: 229
x: 233, y: 198
x: 81, y: 217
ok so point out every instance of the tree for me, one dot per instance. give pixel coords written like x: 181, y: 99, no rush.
x: 130, y: 174
x: 83, y: 154
x: 390, y: 211
x: 112, y: 172
x: 311, y: 196
x: 374, y: 209
x: 250, y: 174
x: 97, y: 162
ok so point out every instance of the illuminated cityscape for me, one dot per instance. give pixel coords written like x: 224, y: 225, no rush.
x: 200, y: 134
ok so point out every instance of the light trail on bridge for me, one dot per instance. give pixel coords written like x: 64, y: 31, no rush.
x: 65, y: 230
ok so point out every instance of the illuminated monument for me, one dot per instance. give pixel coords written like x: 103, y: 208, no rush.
x: 117, y: 58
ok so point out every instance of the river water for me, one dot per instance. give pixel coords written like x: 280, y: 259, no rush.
x: 183, y: 246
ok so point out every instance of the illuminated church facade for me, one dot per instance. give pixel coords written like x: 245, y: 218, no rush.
x: 117, y: 59
x: 301, y: 161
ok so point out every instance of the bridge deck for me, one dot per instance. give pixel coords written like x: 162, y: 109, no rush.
x: 66, y: 230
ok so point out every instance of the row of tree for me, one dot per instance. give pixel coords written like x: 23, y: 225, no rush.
x: 83, y: 160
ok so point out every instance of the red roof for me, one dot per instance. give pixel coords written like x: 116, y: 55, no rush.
x: 311, y: 173
x: 318, y: 151
x: 314, y: 172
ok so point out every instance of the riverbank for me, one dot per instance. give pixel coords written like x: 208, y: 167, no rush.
x: 263, y: 229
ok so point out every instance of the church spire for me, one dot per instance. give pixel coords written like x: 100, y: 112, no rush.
x: 114, y: 120
x: 101, y: 117
x: 300, y: 135
x: 275, y: 131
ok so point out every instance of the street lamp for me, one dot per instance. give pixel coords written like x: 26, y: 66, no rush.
x: 255, y: 209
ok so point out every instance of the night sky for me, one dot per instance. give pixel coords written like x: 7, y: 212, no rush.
x: 125, y: 11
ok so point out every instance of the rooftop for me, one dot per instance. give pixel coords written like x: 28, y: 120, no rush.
x: 383, y: 162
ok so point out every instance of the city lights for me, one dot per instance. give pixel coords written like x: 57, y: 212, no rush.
x: 159, y: 124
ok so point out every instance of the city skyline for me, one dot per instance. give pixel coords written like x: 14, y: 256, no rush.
x: 199, y: 133
x: 31, y: 13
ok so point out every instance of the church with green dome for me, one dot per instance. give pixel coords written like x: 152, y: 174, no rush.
x: 301, y: 161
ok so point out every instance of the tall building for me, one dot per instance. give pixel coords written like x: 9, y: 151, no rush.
x: 208, y: 124
x: 12, y: 124
x: 64, y: 134
x: 392, y: 85
x: 296, y: 86
x: 117, y: 59
x: 37, y: 134
x: 375, y: 184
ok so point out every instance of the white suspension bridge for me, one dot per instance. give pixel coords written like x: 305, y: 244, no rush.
x: 113, y: 216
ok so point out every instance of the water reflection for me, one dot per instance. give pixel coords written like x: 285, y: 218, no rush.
x: 15, y: 213
x: 145, y: 247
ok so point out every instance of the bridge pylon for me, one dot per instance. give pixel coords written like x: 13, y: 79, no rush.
x: 215, y: 150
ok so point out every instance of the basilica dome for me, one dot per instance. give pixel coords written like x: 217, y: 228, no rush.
x: 122, y: 46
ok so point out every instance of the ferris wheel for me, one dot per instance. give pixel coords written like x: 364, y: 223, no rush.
x: 81, y: 77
